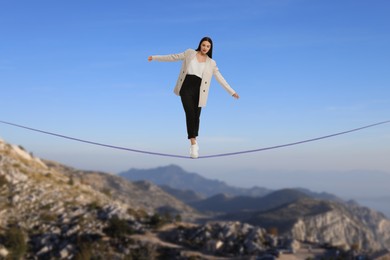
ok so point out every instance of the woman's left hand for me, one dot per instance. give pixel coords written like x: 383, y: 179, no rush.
x: 236, y: 96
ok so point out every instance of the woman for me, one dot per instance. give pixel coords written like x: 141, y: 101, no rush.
x: 193, y: 84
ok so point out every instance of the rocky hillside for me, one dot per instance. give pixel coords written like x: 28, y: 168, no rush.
x: 46, y: 208
x: 137, y: 195
x: 50, y: 211
x: 324, y: 222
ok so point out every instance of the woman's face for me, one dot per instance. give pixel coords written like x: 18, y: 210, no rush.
x: 205, y: 47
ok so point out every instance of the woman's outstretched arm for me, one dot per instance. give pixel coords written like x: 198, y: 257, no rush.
x: 170, y: 57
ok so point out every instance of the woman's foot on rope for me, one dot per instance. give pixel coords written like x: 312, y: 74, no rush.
x: 194, y: 151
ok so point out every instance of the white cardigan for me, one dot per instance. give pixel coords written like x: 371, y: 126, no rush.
x: 210, y: 70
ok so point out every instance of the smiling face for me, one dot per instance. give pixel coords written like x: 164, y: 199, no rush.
x: 205, y: 46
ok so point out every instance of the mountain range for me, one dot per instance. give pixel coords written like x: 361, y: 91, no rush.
x: 316, y: 217
x: 227, y: 204
x: 175, y: 177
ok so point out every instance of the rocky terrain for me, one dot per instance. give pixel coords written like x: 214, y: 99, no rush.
x: 324, y: 222
x: 318, y: 218
x: 294, y: 214
x: 46, y: 214
x: 136, y: 195
x: 52, y: 211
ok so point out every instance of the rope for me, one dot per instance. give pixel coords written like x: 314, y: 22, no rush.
x: 200, y: 157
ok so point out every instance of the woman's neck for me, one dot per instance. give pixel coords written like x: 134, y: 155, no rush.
x: 201, y: 57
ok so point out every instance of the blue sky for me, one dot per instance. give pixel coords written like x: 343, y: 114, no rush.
x: 303, y: 69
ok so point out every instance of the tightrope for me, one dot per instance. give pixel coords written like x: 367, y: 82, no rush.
x: 200, y: 157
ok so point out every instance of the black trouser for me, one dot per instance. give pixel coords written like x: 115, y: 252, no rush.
x: 189, y: 94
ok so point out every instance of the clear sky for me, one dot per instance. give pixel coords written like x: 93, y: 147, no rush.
x: 303, y: 69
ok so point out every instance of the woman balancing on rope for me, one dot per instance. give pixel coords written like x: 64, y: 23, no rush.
x: 193, y: 84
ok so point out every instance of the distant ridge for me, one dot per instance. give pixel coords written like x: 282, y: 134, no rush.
x: 223, y: 203
x: 186, y: 196
x: 177, y: 178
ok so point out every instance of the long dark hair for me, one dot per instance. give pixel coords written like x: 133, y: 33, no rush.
x: 207, y: 39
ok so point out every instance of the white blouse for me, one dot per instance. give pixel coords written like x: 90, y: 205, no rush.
x: 196, y: 68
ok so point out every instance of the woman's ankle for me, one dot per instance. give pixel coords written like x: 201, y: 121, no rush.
x: 193, y: 141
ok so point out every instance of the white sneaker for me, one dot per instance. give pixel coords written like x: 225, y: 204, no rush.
x: 194, y: 151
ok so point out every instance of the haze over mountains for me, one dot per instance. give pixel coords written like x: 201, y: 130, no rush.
x: 174, y: 176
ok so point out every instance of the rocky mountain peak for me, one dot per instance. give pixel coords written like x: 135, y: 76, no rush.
x: 19, y: 153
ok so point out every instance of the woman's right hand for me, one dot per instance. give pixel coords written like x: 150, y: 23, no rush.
x: 150, y: 58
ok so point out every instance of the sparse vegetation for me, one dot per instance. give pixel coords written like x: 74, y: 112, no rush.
x: 16, y: 165
x: 107, y: 192
x: 48, y: 216
x: 71, y: 181
x: 94, y: 206
x: 143, y: 252
x: 139, y: 214
x: 84, y: 251
x: 46, y: 206
x: 157, y: 220
x: 355, y: 247
x: 118, y: 228
x: 3, y: 181
x: 15, y: 242
x: 178, y: 218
